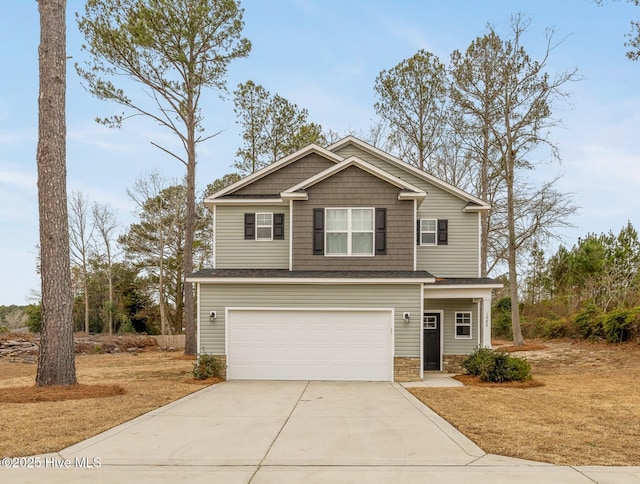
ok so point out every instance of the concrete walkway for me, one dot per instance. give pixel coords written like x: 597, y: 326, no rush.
x: 295, y: 432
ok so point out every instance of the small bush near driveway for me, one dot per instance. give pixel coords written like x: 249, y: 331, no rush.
x: 496, y: 366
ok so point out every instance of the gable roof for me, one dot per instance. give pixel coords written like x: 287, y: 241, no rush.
x: 475, y: 203
x: 409, y: 191
x: 307, y: 150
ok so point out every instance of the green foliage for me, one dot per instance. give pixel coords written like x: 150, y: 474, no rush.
x: 479, y: 362
x: 207, y: 366
x: 3, y: 329
x: 553, y: 328
x: 621, y: 325
x: 126, y: 326
x: 501, y: 321
x: 34, y: 317
x: 272, y: 127
x: 411, y: 99
x: 496, y: 366
x: 588, y: 322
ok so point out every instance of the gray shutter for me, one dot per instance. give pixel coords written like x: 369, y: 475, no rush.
x: 443, y: 232
x: 278, y: 226
x: 249, y: 226
x: 318, y: 231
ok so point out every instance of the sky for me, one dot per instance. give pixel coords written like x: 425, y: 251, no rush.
x: 324, y: 56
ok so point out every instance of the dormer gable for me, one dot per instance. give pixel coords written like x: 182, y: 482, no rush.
x: 407, y: 191
x: 399, y: 168
x: 278, y: 176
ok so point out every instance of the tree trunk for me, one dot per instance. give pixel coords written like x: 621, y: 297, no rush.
x: 187, y: 263
x: 86, y: 296
x: 518, y: 339
x: 56, y: 362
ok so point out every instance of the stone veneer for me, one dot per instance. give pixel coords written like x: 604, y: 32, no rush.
x: 406, y: 369
x: 453, y: 363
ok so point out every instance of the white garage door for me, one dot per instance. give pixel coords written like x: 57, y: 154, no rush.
x: 269, y: 344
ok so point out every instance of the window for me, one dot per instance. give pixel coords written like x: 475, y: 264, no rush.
x: 432, y: 231
x: 264, y: 226
x: 463, y: 325
x: 428, y: 231
x: 349, y: 231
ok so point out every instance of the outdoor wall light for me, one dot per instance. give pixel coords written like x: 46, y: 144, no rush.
x: 406, y: 317
x: 212, y: 315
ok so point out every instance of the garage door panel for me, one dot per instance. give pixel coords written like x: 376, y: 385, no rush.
x: 309, y: 344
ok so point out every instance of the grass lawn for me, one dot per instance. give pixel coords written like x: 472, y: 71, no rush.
x: 585, y: 412
x: 114, y: 388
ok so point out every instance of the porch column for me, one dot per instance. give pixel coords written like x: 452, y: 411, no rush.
x: 486, y: 322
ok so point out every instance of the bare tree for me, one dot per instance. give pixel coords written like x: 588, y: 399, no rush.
x: 525, y: 99
x: 104, y: 221
x: 56, y: 362
x: 160, y: 211
x: 81, y: 232
x: 173, y: 49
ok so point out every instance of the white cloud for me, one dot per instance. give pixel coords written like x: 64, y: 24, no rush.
x: 9, y: 175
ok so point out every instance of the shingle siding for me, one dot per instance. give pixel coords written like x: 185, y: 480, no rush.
x: 354, y: 187
x: 401, y: 297
x: 287, y: 176
x: 460, y: 258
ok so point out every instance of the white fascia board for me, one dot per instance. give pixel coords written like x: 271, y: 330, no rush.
x: 312, y: 148
x: 363, y: 165
x: 247, y: 201
x: 411, y: 169
x: 294, y: 196
x: 419, y: 196
x: 462, y: 291
x: 304, y: 280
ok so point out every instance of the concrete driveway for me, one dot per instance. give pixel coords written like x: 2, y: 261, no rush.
x: 299, y: 432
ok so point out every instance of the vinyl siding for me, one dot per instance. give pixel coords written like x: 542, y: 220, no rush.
x: 451, y: 345
x: 354, y: 187
x: 460, y: 258
x: 402, y: 297
x: 233, y: 252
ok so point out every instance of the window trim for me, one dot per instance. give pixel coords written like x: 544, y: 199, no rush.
x: 460, y: 324
x: 262, y: 226
x: 434, y: 232
x: 350, y: 231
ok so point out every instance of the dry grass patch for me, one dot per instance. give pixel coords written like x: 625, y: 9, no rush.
x: 587, y: 412
x: 139, y: 383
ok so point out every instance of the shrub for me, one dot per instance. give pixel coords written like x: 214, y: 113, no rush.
x: 588, y: 322
x: 479, y: 362
x: 621, y: 325
x: 207, y: 366
x: 34, y: 317
x: 496, y: 366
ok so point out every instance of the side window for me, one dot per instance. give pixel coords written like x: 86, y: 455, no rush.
x: 463, y: 325
x: 431, y: 231
x: 264, y: 226
x: 428, y: 231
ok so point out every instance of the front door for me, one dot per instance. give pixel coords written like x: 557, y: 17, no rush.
x: 431, y: 341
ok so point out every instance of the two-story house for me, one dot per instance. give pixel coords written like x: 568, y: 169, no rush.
x: 343, y: 263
